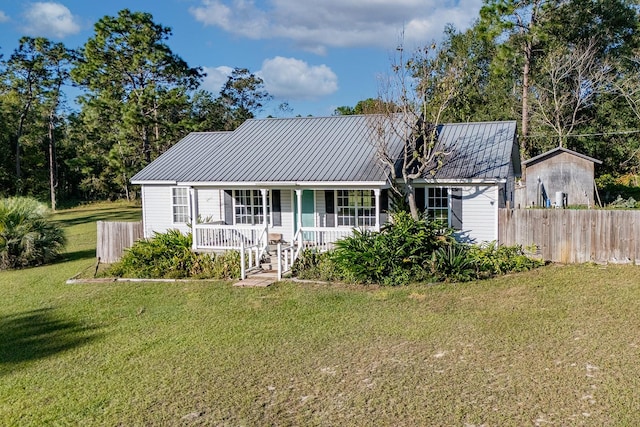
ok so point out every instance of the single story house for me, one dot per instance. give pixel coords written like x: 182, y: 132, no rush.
x: 314, y: 179
x: 557, y: 178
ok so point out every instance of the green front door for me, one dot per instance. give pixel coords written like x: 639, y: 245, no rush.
x: 308, y: 209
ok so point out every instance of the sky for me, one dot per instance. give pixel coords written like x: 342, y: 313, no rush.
x: 315, y: 55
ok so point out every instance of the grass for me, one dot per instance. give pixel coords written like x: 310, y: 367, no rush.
x: 558, y: 345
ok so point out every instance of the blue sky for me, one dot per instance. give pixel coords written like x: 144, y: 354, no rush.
x: 314, y: 54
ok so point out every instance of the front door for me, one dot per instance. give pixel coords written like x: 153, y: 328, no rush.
x: 308, y: 209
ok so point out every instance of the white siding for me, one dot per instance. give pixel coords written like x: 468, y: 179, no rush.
x: 479, y: 213
x: 210, y: 204
x: 156, y: 204
x: 286, y: 215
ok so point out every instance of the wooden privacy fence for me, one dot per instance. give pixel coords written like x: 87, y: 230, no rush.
x: 573, y: 236
x: 115, y: 237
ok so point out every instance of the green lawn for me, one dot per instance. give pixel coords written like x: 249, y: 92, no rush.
x: 555, y: 346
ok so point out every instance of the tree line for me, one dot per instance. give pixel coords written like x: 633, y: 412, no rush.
x: 137, y: 98
x: 567, y: 70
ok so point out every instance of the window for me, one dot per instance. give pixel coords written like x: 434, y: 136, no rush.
x: 438, y: 204
x: 356, y: 208
x: 248, y: 207
x: 180, y: 204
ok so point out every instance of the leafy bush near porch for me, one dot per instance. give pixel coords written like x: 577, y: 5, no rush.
x: 410, y: 251
x: 169, y: 256
x: 27, y: 236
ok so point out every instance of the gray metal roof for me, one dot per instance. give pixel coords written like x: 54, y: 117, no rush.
x: 559, y: 150
x: 177, y: 163
x: 481, y: 150
x: 321, y: 149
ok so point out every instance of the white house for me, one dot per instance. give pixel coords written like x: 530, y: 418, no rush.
x: 317, y: 178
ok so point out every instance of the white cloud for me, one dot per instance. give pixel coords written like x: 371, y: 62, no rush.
x: 49, y: 19
x: 317, y: 25
x: 216, y: 78
x: 3, y: 17
x: 294, y: 79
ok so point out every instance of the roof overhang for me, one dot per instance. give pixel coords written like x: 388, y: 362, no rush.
x: 273, y: 184
x: 459, y: 181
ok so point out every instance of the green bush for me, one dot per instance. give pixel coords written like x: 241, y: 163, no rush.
x: 395, y: 255
x: 314, y: 265
x: 454, y: 263
x: 492, y: 260
x: 169, y: 255
x: 27, y: 237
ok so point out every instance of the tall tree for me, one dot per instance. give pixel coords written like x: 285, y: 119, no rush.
x: 519, y: 22
x: 244, y: 95
x: 23, y: 75
x: 128, y: 67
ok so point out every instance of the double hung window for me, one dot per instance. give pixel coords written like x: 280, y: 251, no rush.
x: 438, y: 204
x: 180, y: 204
x: 249, y: 208
x: 356, y: 208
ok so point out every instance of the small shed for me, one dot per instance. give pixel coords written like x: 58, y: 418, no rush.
x: 558, y: 178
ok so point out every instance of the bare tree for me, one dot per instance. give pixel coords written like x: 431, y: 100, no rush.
x: 572, y: 77
x: 412, y: 101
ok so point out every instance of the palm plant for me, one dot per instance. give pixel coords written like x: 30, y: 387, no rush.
x: 27, y: 237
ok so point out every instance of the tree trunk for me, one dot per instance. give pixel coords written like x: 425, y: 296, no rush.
x: 411, y: 198
x: 52, y: 163
x: 525, y: 96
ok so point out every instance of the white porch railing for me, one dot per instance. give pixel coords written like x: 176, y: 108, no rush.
x: 226, y: 237
x: 250, y: 241
x: 320, y: 239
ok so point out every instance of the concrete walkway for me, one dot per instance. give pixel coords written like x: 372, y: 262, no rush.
x: 258, y: 280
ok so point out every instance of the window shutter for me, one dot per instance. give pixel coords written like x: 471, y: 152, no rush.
x: 420, y: 198
x: 228, y: 207
x: 456, y: 208
x: 384, y: 200
x: 276, y: 210
x: 330, y: 208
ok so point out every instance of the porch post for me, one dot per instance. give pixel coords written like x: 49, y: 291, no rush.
x: 265, y: 221
x: 299, y: 219
x: 376, y: 193
x: 193, y: 195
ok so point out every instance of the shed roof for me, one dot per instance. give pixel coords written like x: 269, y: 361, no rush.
x: 558, y: 150
x: 322, y: 149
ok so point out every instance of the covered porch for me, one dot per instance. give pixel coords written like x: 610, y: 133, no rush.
x: 296, y: 218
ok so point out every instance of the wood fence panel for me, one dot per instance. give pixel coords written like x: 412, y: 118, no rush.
x: 115, y: 237
x: 574, y: 236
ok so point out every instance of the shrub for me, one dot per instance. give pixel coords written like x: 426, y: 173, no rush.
x: 395, y: 255
x: 169, y: 255
x: 27, y: 237
x: 453, y: 263
x: 314, y: 265
x: 492, y: 260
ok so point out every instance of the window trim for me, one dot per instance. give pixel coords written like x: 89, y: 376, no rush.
x: 174, y: 205
x: 428, y: 209
x: 234, y: 194
x: 357, y: 208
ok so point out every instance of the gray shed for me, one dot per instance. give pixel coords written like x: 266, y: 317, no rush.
x: 559, y: 177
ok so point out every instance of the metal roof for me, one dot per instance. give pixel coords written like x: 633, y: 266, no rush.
x: 560, y: 150
x: 480, y: 150
x: 322, y: 149
x: 177, y: 162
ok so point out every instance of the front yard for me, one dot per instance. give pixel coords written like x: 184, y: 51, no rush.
x: 554, y: 346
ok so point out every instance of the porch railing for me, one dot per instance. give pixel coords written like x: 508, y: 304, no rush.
x: 250, y: 241
x: 223, y: 237
x: 320, y: 239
